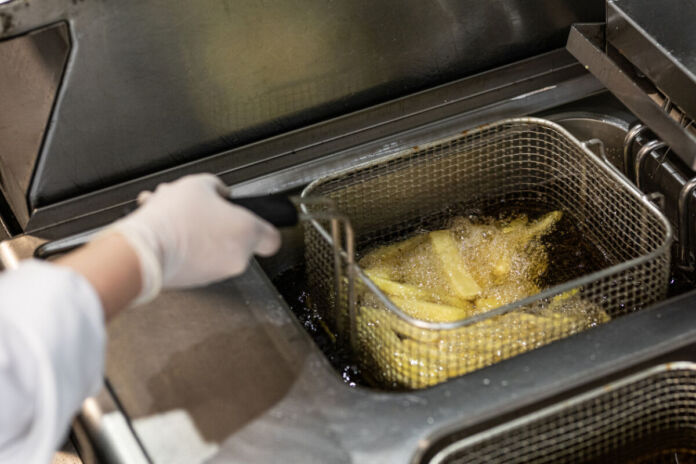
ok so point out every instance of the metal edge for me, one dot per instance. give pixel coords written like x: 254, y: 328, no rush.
x: 314, y: 142
x: 22, y: 16
x: 109, y: 432
x: 623, y: 30
x: 618, y: 80
x: 605, y: 118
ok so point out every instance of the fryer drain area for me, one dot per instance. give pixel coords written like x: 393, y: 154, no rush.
x: 649, y: 417
x: 527, y: 162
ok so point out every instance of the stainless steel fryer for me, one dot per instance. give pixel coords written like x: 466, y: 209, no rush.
x: 530, y: 162
x: 139, y: 92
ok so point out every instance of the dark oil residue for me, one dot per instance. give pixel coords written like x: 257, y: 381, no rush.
x: 292, y: 284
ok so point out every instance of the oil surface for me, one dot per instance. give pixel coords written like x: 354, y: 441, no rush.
x: 292, y: 285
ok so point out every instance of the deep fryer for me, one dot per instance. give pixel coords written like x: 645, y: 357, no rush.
x: 137, y: 93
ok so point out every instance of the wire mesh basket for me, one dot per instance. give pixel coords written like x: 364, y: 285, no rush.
x: 530, y: 163
x: 649, y: 417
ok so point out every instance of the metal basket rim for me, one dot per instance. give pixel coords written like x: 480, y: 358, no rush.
x: 560, y: 406
x: 549, y: 292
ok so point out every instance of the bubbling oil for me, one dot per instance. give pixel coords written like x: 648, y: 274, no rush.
x: 509, y: 256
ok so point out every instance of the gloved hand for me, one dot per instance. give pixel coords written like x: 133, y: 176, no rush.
x: 185, y: 234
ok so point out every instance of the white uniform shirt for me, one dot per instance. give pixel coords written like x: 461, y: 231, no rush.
x: 52, y: 340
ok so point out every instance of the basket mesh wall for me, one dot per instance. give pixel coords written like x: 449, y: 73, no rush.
x: 524, y: 161
x: 651, y: 419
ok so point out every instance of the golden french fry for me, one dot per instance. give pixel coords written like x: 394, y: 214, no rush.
x: 516, y: 224
x: 544, y: 224
x: 381, y: 271
x: 433, y: 312
x: 503, y: 336
x: 502, y: 266
x: 396, y: 363
x: 570, y: 305
x: 558, y: 300
x: 384, y: 255
x: 453, y: 266
x: 377, y: 316
x: 505, y: 294
x: 392, y: 288
x: 412, y: 292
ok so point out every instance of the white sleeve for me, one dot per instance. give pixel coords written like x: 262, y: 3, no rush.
x: 52, y: 340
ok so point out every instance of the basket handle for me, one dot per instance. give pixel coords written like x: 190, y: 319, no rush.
x: 277, y: 209
x: 603, y: 154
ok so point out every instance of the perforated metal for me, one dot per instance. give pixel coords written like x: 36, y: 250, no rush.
x: 522, y: 161
x: 646, y: 418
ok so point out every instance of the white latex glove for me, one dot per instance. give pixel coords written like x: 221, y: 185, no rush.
x: 185, y: 234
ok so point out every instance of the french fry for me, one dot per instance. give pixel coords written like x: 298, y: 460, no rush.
x: 433, y: 312
x: 519, y: 233
x: 385, y: 256
x: 505, y: 294
x: 502, y: 266
x: 544, y: 224
x: 411, y: 292
x: 516, y: 224
x: 405, y: 291
x: 453, y: 266
x: 503, y: 336
x: 376, y: 316
x: 570, y: 305
x: 396, y: 363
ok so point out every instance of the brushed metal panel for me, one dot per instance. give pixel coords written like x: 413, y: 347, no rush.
x: 154, y: 84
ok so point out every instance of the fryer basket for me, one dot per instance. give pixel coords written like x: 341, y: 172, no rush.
x: 649, y: 417
x: 524, y: 161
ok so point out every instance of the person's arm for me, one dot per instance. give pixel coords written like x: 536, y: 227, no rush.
x: 112, y: 268
x: 52, y: 314
x: 184, y: 235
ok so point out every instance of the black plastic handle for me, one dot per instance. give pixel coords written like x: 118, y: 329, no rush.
x: 277, y: 209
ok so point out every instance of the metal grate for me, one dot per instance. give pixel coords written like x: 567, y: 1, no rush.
x: 646, y: 418
x: 526, y: 161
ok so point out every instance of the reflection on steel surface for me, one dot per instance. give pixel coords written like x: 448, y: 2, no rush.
x: 111, y: 438
x: 30, y: 74
x: 154, y: 84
